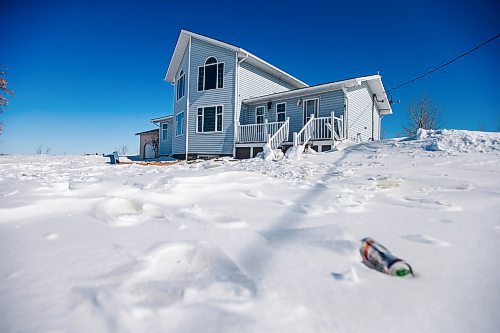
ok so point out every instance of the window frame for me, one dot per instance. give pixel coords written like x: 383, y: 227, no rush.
x: 181, y: 76
x: 216, y: 64
x: 277, y: 113
x: 177, y: 124
x: 263, y: 107
x: 203, y: 118
x: 164, y: 131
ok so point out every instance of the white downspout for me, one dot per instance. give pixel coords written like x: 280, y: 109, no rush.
x: 187, y: 98
x: 236, y: 100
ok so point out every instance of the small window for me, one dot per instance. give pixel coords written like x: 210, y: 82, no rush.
x: 181, y: 85
x: 164, y: 132
x: 259, y: 115
x: 281, y: 111
x: 209, y: 119
x: 211, y: 75
x: 179, y: 119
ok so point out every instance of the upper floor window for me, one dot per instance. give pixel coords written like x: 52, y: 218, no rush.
x: 179, y: 119
x: 259, y: 115
x: 164, y: 132
x: 209, y: 119
x: 281, y: 111
x: 211, y: 75
x: 181, y: 85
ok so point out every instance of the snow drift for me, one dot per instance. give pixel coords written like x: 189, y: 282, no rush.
x: 255, y: 245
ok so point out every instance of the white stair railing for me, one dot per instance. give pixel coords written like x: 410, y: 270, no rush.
x: 305, y: 134
x: 257, y: 132
x: 280, y: 136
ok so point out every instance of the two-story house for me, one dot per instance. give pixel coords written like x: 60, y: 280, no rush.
x: 229, y: 102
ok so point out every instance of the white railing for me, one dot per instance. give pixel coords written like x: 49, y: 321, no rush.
x: 257, y: 132
x: 305, y: 134
x: 338, y: 125
x: 280, y: 136
x: 322, y: 128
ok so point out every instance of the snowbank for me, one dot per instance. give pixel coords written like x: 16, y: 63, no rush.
x: 458, y: 141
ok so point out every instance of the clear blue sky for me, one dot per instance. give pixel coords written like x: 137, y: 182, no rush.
x: 89, y: 74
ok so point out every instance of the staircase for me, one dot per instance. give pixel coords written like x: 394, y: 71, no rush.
x: 321, y: 128
x: 280, y: 136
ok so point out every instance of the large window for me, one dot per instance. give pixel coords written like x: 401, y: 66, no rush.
x: 209, y: 119
x: 164, y: 132
x: 281, y: 111
x: 179, y: 119
x: 181, y: 85
x: 211, y: 75
x: 259, y: 115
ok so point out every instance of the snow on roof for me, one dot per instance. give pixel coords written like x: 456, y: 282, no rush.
x: 374, y: 82
x: 183, y: 42
x: 157, y: 120
x: 146, y: 132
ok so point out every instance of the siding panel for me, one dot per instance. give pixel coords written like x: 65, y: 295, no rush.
x: 179, y: 142
x: 165, y: 146
x: 219, y: 142
x: 360, y: 113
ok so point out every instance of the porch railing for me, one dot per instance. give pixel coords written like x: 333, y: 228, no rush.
x: 257, y: 132
x: 280, y: 136
x: 305, y: 134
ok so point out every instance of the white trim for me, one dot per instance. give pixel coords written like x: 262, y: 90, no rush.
x: 263, y: 114
x: 216, y: 75
x: 162, y: 130
x: 203, y: 118
x: 182, y: 42
x: 182, y: 125
x: 177, y: 86
x: 187, y: 100
x: 277, y: 119
x: 160, y: 119
x: 316, y: 114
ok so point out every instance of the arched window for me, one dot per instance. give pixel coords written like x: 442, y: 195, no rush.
x: 211, y: 75
x: 181, y: 85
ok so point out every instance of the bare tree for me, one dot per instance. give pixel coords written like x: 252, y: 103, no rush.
x: 422, y: 114
x: 122, y: 150
x: 4, y: 91
x: 41, y: 150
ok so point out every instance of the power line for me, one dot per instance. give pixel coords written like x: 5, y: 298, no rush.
x: 446, y: 64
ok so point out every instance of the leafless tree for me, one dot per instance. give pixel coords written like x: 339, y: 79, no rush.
x: 41, y: 150
x: 4, y: 91
x: 156, y: 147
x: 422, y: 114
x: 122, y: 150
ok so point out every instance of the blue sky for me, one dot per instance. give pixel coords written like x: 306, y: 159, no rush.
x: 88, y: 75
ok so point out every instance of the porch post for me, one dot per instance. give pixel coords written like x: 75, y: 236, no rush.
x: 265, y: 129
x: 333, y: 125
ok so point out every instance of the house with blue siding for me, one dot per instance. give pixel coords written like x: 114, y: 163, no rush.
x: 229, y: 102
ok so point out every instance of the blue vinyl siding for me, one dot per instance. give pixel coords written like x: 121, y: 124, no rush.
x: 219, y: 142
x: 165, y: 146
x: 255, y: 82
x: 360, y: 113
x: 179, y: 142
x: 328, y: 102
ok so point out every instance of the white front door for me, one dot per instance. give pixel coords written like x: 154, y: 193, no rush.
x: 311, y: 107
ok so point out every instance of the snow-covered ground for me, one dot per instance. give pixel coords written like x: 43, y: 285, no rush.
x: 255, y: 246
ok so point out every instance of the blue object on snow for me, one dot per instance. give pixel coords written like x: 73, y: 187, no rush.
x: 113, y: 158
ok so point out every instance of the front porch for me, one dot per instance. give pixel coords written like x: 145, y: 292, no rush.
x: 321, y: 133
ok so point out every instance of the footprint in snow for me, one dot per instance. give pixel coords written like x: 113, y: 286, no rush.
x: 177, y: 275
x: 424, y: 239
x: 253, y: 193
x: 119, y: 212
x: 229, y: 222
x: 347, y: 276
x: 51, y: 237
